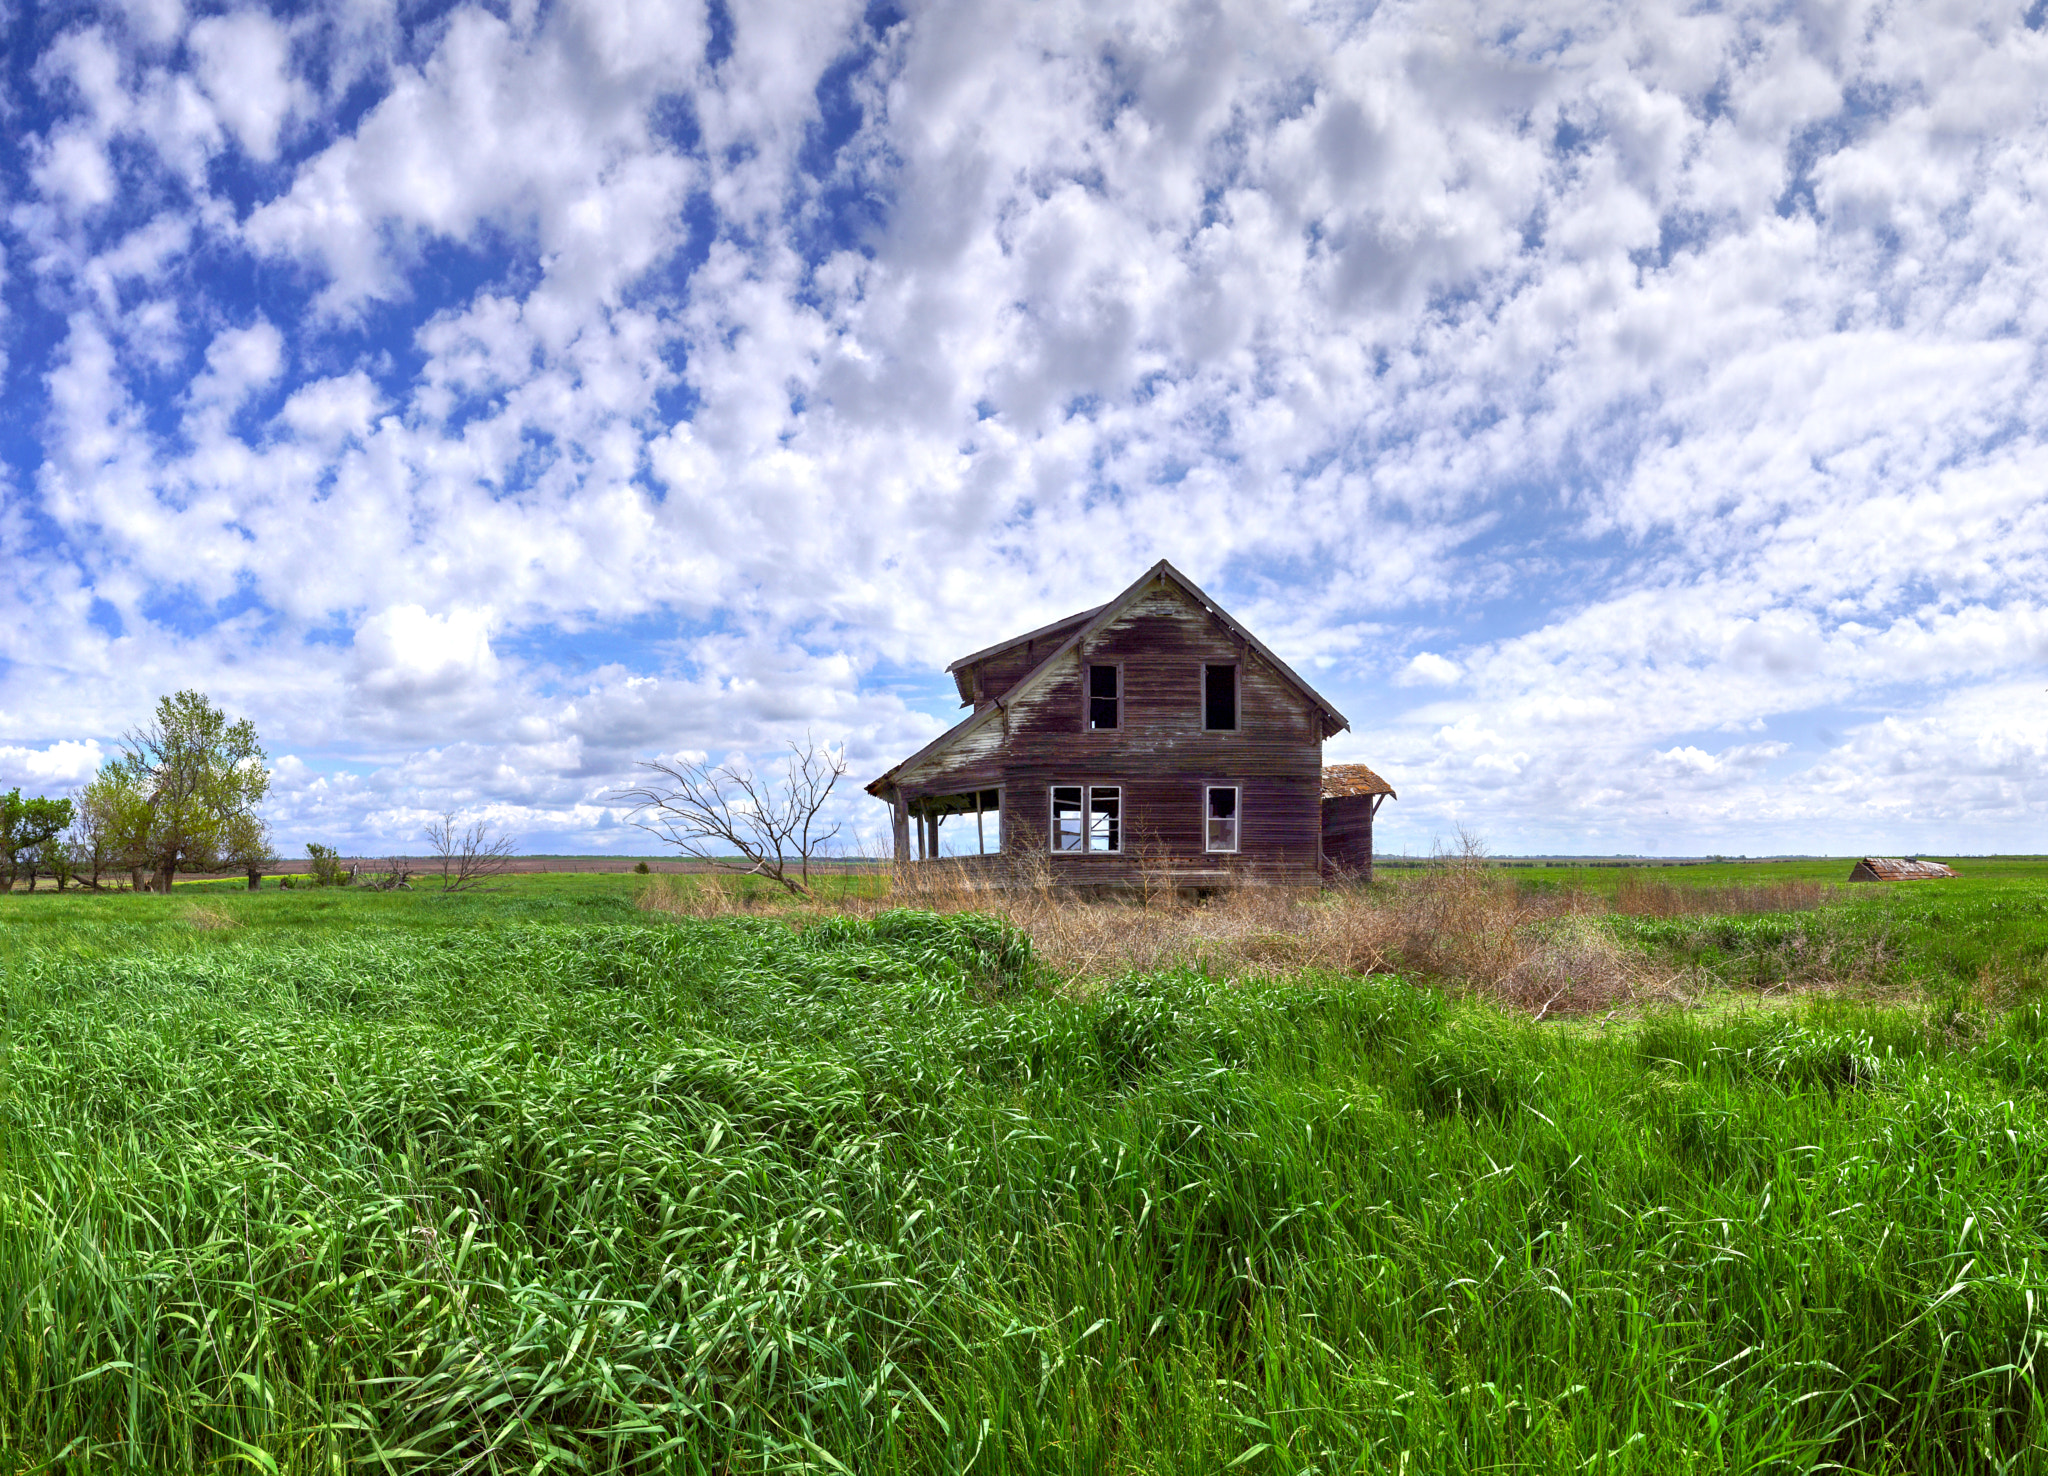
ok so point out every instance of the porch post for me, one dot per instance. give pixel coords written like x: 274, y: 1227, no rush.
x: 980, y: 834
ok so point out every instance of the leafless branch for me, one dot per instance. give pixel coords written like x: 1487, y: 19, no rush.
x: 739, y: 822
x: 393, y: 874
x: 467, y: 858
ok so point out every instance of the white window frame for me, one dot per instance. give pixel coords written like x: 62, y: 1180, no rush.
x: 1052, y: 798
x: 1236, y: 820
x: 1088, y: 846
x: 1236, y: 694
x: 1109, y: 850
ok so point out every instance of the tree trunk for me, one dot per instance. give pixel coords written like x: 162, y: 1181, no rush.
x: 163, y: 880
x: 135, y: 878
x: 255, y: 880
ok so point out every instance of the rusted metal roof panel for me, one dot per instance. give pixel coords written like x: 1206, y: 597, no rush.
x: 1898, y: 868
x: 1344, y: 781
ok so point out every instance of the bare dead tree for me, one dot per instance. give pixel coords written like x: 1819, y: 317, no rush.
x: 467, y: 858
x: 392, y: 874
x: 740, y: 822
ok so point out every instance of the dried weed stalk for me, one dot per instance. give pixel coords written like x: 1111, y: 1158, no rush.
x: 1460, y: 921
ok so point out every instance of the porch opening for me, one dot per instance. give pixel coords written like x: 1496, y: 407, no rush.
x: 981, y: 834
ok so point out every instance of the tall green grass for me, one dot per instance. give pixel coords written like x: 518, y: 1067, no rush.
x: 1939, y: 939
x: 592, y: 1195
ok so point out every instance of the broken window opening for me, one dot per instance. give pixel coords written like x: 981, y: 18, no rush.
x: 1219, y: 698
x: 1067, y: 834
x: 1105, y: 697
x: 1222, y: 817
x: 1105, y: 818
x: 1098, y: 827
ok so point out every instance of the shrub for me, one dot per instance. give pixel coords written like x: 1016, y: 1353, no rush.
x: 327, y: 868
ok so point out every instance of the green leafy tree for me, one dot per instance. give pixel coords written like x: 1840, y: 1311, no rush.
x: 26, y: 827
x: 53, y: 859
x: 246, y: 846
x: 110, y: 829
x: 197, y: 773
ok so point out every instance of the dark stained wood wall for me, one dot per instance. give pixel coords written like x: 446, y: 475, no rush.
x: 1162, y: 756
x: 1347, y: 833
x: 1007, y: 667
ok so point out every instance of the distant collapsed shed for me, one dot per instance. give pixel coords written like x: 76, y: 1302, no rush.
x: 1898, y: 868
x: 1150, y: 738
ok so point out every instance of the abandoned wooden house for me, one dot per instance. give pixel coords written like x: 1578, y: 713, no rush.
x: 1151, y: 738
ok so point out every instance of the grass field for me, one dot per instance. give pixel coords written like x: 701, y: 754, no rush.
x: 542, y: 1179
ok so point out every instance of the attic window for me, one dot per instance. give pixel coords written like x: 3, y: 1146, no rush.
x: 1219, y: 698
x: 1105, y: 697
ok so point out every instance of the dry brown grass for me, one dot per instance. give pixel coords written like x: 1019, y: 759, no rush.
x: 1641, y: 895
x: 208, y: 919
x: 708, y: 895
x: 1459, y: 922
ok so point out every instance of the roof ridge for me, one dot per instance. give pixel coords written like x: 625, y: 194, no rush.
x: 1100, y: 616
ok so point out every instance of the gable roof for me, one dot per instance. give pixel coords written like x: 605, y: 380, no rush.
x: 1333, y: 721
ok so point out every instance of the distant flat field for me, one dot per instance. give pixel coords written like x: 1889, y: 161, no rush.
x: 522, y: 865
x: 1607, y: 871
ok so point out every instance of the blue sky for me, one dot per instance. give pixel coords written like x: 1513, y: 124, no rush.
x: 1632, y: 417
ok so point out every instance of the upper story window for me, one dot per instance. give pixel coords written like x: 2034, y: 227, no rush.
x: 1105, y: 696
x: 1219, y: 698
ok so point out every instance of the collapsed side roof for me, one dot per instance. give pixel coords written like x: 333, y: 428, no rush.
x: 1348, y: 781
x: 1898, y: 868
x: 1333, y: 721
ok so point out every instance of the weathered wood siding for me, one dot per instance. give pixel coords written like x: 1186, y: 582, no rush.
x: 975, y: 761
x: 1347, y: 833
x: 1163, y: 757
x: 1003, y: 669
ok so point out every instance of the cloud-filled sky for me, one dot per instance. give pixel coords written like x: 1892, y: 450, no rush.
x: 1632, y: 417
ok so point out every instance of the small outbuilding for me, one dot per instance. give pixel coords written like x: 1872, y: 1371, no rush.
x: 1352, y: 795
x: 1898, y: 868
